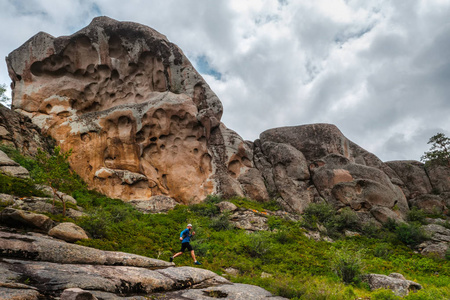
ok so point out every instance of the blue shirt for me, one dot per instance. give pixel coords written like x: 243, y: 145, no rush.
x: 186, y: 235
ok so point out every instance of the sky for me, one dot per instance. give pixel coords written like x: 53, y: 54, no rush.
x: 379, y: 70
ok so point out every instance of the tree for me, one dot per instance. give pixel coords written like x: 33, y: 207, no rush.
x: 3, y: 98
x: 54, y: 171
x: 439, y: 154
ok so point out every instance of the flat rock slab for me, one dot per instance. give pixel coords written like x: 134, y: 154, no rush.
x: 44, y: 248
x: 235, y: 291
x: 54, y: 278
x: 19, y: 294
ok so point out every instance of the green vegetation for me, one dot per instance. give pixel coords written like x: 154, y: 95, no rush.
x: 3, y: 98
x: 439, y: 154
x: 300, y: 268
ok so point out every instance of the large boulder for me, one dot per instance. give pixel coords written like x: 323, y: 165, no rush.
x: 68, y: 232
x: 395, y: 282
x: 413, y: 175
x: 18, y: 217
x: 440, y: 178
x: 304, y: 163
x: 361, y: 187
x: 431, y: 204
x: 140, y: 120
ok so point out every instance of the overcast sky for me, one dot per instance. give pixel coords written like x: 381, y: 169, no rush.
x: 379, y: 70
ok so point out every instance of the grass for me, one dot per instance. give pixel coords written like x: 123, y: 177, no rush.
x: 301, y: 268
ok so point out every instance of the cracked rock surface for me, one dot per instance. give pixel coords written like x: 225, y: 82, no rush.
x: 36, y: 266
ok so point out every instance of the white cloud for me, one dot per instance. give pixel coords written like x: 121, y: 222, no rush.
x: 379, y: 70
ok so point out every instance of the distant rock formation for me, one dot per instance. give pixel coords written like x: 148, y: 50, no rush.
x: 143, y: 123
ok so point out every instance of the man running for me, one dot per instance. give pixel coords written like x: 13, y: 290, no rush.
x: 185, y: 238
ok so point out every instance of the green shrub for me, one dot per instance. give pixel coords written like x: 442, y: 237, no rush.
x: 410, y: 234
x: 347, y: 219
x: 390, y: 225
x: 205, y: 209
x: 416, y: 215
x: 318, y: 212
x: 382, y: 250
x: 258, y: 244
x: 272, y: 205
x: 370, y: 229
x: 221, y: 223
x: 347, y: 265
x: 213, y: 199
x: 27, y: 162
x: 19, y: 187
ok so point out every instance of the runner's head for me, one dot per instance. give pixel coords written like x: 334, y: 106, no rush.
x: 189, y: 226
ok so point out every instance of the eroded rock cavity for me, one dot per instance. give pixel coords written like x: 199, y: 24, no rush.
x: 127, y: 101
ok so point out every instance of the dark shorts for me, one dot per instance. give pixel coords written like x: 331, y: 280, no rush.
x: 185, y: 246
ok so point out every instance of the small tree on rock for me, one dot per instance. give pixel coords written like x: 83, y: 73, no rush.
x: 3, y: 98
x: 439, y: 154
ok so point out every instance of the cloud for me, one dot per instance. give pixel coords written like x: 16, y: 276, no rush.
x: 379, y: 70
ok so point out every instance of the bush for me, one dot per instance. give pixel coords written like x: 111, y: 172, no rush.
x: 370, y: 229
x: 410, y: 234
x: 213, y: 199
x: 416, y: 215
x: 205, y: 209
x: 319, y: 212
x: 347, y: 219
x: 347, y: 266
x: 272, y: 205
x: 258, y: 244
x: 390, y: 225
x: 221, y: 223
x: 382, y: 250
x: 19, y: 187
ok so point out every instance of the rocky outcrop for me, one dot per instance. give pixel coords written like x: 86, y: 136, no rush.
x: 11, y: 168
x: 395, y: 282
x: 438, y: 242
x: 128, y: 102
x: 76, y: 271
x: 17, y: 130
x: 320, y: 162
x: 145, y: 127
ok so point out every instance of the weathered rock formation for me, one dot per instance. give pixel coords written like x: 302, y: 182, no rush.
x: 145, y: 126
x: 18, y: 131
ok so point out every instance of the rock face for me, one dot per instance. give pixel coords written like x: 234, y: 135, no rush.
x: 145, y: 126
x: 127, y: 101
x: 18, y: 131
x: 77, y: 272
